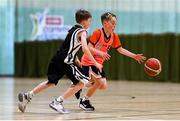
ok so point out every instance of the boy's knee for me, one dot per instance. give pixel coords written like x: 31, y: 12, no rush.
x: 81, y: 84
x: 97, y: 83
x: 100, y: 83
x: 103, y: 87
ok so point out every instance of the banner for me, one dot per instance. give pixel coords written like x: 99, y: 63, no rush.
x: 48, y: 27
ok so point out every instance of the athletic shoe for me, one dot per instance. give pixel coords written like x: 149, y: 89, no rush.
x: 24, y: 99
x: 86, y: 105
x: 58, y: 106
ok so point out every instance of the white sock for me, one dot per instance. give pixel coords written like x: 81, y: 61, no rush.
x: 30, y: 94
x: 60, y: 99
x: 85, y: 98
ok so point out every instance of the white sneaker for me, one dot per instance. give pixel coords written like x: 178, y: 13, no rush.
x: 24, y: 99
x: 58, y: 106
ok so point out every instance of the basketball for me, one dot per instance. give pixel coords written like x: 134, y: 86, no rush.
x: 152, y: 67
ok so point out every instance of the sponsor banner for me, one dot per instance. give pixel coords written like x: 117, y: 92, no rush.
x: 48, y: 27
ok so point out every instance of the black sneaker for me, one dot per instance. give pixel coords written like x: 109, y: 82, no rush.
x: 86, y: 105
x: 78, y: 94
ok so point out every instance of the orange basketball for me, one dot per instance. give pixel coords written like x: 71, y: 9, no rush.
x: 152, y: 67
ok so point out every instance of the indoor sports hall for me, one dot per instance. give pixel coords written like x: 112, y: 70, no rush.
x: 141, y: 84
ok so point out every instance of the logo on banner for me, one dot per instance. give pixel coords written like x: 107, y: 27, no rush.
x: 48, y: 27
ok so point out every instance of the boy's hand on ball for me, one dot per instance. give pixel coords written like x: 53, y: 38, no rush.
x: 140, y: 58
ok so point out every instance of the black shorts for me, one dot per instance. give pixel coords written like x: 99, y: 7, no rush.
x: 57, y: 69
x: 92, y: 70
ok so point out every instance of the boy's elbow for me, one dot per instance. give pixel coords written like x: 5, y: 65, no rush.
x: 120, y: 50
x: 84, y: 49
x: 90, y: 48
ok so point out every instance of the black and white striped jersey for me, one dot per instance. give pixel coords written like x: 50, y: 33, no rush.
x: 71, y: 45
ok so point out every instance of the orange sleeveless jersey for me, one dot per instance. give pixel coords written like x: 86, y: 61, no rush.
x: 99, y: 42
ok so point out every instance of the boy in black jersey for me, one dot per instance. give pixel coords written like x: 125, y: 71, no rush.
x: 64, y: 63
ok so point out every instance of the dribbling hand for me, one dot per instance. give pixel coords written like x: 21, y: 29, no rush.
x: 140, y: 58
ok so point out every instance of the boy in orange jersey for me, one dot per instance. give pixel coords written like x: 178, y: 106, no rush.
x: 100, y: 42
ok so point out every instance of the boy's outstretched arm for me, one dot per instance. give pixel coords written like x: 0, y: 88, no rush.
x: 138, y: 57
x: 86, y: 50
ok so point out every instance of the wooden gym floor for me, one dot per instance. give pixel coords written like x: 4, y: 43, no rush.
x: 153, y: 101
